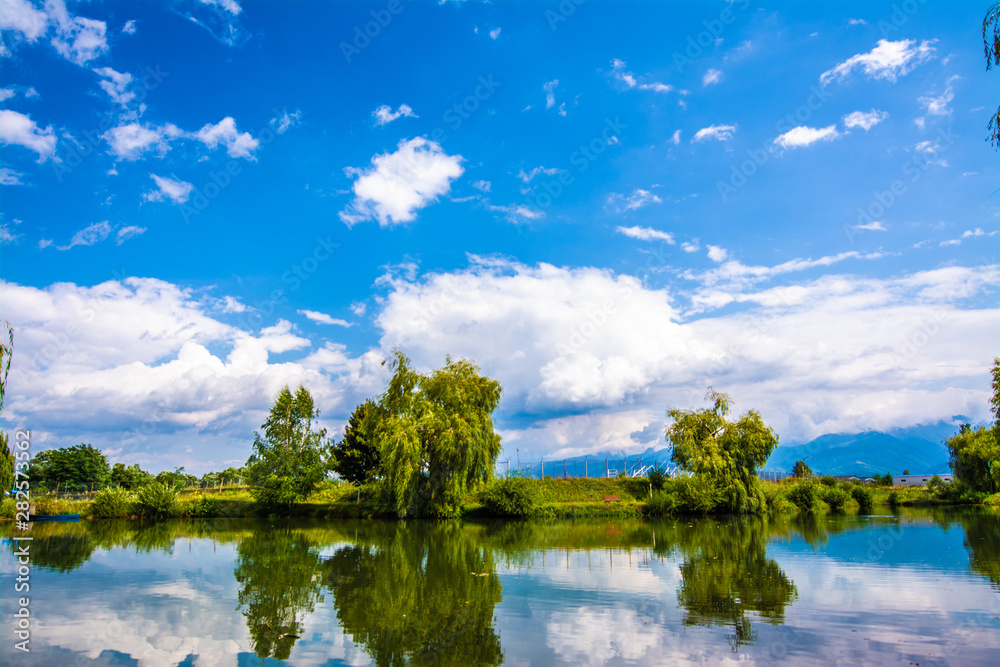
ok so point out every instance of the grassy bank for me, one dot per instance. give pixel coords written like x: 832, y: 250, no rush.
x: 551, y: 498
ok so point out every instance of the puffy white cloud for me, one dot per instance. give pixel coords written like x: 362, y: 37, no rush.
x: 938, y: 106
x: 323, y: 318
x: 865, y: 120
x: 495, y: 33
x: 888, y: 60
x: 114, y: 84
x: 133, y: 140
x: 129, y: 27
x: 711, y: 76
x: 19, y: 130
x: 637, y: 199
x: 646, y: 234
x: 77, y: 39
x: 398, y: 184
x: 231, y: 6
x: 690, y: 246
x: 128, y: 232
x: 717, y: 254
x: 23, y: 17
x: 385, y: 115
x: 676, y: 138
x: 89, y: 235
x: 801, y: 136
x: 225, y: 133
x: 6, y: 94
x: 175, y: 190
x: 718, y: 132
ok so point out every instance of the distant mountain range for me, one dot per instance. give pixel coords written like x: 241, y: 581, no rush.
x: 919, y: 449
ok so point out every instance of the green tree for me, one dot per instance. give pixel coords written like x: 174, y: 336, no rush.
x: 287, y: 462
x: 726, y: 452
x: 991, y: 45
x: 131, y: 477
x: 6, y: 466
x: 975, y: 452
x: 436, y: 440
x: 356, y: 457
x: 178, y: 479
x: 77, y: 468
x: 801, y: 469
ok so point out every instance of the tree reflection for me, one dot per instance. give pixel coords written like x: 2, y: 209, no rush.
x: 279, y: 575
x: 727, y: 577
x: 982, y: 539
x: 417, y: 592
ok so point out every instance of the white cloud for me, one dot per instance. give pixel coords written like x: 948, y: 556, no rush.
x: 231, y: 6
x: 128, y: 232
x: 717, y: 254
x: 802, y: 136
x: 550, y: 96
x: 174, y: 189
x: 21, y: 16
x: 888, y: 60
x: 224, y: 132
x: 89, y: 235
x: 719, y: 132
x: 517, y: 212
x: 323, y: 318
x: 951, y: 242
x: 10, y: 177
x: 132, y: 140
x: 637, y: 199
x: 287, y: 120
x: 690, y: 246
x: 219, y: 18
x: 495, y: 33
x: 18, y: 129
x: 975, y: 232
x: 711, y: 76
x: 537, y: 171
x: 385, y: 115
x: 398, y: 184
x: 77, y: 39
x: 483, y: 186
x: 646, y: 234
x: 938, y: 106
x: 359, y: 308
x: 7, y: 236
x: 865, y: 120
x: 129, y: 27
x: 6, y: 94
x: 857, y: 22
x: 874, y: 226
x: 114, y: 84
x: 44, y: 243
x: 624, y: 76
x: 676, y: 137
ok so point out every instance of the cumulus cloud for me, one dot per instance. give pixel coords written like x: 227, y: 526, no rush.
x: 385, y: 115
x: 717, y: 254
x: 864, y: 120
x: 323, y: 318
x: 646, y: 234
x: 19, y: 130
x: 89, y: 235
x: 399, y: 184
x: 24, y: 18
x: 225, y: 133
x: 637, y: 199
x: 115, y: 84
x: 174, y: 189
x: 888, y: 60
x: 717, y: 132
x: 801, y: 136
x: 495, y: 33
x: 133, y: 141
x: 77, y: 39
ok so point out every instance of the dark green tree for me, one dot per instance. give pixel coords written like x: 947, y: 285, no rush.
x: 801, y: 469
x: 975, y: 452
x: 436, y: 441
x: 991, y: 45
x: 77, y: 468
x: 6, y: 466
x: 356, y: 457
x: 131, y: 477
x: 727, y: 453
x: 287, y: 462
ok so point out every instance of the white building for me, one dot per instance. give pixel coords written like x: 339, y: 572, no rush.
x: 919, y: 480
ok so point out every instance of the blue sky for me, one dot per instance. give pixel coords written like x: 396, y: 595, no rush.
x: 608, y: 206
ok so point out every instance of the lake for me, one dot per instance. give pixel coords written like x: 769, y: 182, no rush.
x: 919, y: 586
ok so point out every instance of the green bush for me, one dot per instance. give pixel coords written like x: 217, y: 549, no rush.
x: 510, y: 497
x: 772, y: 495
x: 803, y: 495
x: 894, y: 499
x: 835, y: 497
x: 695, y: 495
x: 112, y: 503
x: 661, y: 504
x: 204, y: 506
x: 157, y: 499
x: 828, y: 480
x: 7, y: 508
x: 657, y: 479
x: 863, y: 496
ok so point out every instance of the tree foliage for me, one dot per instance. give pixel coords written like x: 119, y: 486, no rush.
x: 991, y: 46
x: 287, y: 462
x: 801, y: 469
x: 727, y: 452
x: 356, y: 457
x: 130, y: 478
x: 975, y: 452
x: 436, y: 439
x: 77, y: 468
x: 6, y: 466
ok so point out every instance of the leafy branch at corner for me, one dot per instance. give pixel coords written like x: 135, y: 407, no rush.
x: 725, y: 453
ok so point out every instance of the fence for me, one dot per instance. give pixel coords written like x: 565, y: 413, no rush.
x: 602, y: 468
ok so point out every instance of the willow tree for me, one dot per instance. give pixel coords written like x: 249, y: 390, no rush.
x: 991, y: 45
x: 727, y: 453
x: 435, y: 437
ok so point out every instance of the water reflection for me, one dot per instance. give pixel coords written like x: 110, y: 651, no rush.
x: 420, y: 592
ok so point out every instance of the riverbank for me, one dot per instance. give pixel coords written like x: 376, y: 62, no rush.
x: 550, y: 498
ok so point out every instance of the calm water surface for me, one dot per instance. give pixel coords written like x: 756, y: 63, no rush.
x: 919, y: 587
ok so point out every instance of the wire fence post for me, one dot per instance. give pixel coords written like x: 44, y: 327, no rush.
x: 585, y: 469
